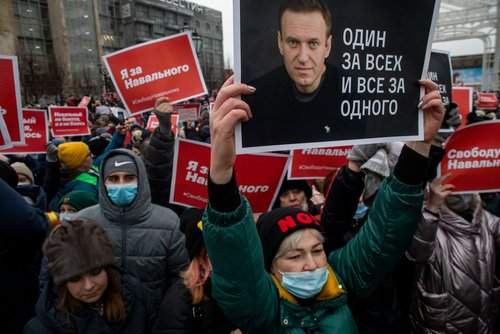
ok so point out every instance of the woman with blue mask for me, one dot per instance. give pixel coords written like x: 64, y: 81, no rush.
x: 276, y: 277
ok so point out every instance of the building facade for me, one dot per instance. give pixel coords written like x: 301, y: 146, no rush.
x: 60, y: 44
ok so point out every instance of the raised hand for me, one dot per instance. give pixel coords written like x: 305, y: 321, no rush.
x: 438, y: 193
x: 162, y: 105
x: 433, y: 109
x: 228, y: 111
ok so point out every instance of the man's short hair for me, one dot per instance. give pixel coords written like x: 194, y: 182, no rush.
x: 306, y: 6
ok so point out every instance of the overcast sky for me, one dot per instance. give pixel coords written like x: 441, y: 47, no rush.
x: 456, y: 48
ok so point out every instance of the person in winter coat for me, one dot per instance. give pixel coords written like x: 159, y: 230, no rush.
x: 146, y: 238
x: 22, y: 230
x: 159, y: 155
x: 195, y: 310
x: 86, y: 294
x: 455, y: 247
x: 284, y: 282
x: 69, y: 168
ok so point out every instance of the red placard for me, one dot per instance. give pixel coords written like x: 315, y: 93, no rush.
x: 69, y: 121
x: 153, y: 123
x: 163, y: 67
x: 473, y: 158
x: 462, y: 96
x: 187, y: 111
x: 10, y: 99
x: 258, y: 176
x: 316, y: 163
x: 84, y: 102
x: 487, y: 101
x: 36, y: 133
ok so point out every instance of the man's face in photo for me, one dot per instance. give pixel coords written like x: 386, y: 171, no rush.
x: 304, y: 45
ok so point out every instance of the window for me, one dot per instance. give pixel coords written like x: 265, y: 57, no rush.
x: 217, y: 45
x: 141, y: 11
x: 142, y: 30
x: 207, y: 27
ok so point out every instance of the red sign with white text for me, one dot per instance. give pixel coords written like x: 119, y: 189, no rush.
x: 473, y: 158
x: 153, y: 123
x: 258, y: 176
x: 163, y: 67
x: 10, y: 98
x: 36, y: 133
x: 69, y: 121
x: 487, y: 101
x: 316, y: 163
x: 462, y: 96
x: 187, y: 111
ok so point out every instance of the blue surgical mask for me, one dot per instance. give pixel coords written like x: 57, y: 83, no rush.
x: 361, y: 211
x: 305, y: 284
x: 122, y: 194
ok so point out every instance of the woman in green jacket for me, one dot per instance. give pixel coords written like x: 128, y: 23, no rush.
x: 283, y: 282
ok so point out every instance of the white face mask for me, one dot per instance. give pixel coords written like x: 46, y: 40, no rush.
x: 67, y: 216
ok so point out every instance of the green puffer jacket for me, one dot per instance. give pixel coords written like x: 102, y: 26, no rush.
x: 255, y: 302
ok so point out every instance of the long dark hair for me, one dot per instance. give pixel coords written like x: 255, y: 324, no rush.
x: 114, y: 307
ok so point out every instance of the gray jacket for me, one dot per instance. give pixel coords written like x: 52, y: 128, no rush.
x: 146, y: 238
x: 456, y: 288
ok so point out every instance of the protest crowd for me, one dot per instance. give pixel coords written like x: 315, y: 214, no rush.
x: 91, y: 241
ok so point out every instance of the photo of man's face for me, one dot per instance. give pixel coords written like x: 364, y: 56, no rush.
x: 304, y: 44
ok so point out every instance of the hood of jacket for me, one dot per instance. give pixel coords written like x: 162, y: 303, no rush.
x: 140, y: 209
x: 455, y: 224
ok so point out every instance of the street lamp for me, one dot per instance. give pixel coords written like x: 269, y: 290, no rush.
x: 194, y: 36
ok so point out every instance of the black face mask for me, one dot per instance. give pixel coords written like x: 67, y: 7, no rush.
x: 459, y: 203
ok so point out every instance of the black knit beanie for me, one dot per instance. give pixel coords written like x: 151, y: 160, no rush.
x: 276, y: 225
x: 77, y: 247
x: 191, y: 227
x: 293, y: 184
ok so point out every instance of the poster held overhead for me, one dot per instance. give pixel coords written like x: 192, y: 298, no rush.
x: 36, y: 133
x: 10, y: 98
x: 349, y: 80
x: 165, y: 67
x: 69, y: 121
x: 473, y: 158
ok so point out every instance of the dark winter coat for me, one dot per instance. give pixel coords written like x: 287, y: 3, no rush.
x: 22, y: 231
x: 187, y: 318
x: 138, y: 306
x: 146, y: 238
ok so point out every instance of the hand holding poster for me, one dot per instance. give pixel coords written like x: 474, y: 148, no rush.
x: 164, y: 67
x: 10, y: 99
x: 69, y: 121
x: 258, y: 176
x: 473, y: 158
x: 357, y: 83
x: 36, y: 133
x: 316, y: 163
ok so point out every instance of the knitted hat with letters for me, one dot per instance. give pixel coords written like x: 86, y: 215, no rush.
x: 276, y: 225
x: 77, y: 247
x: 72, y: 154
